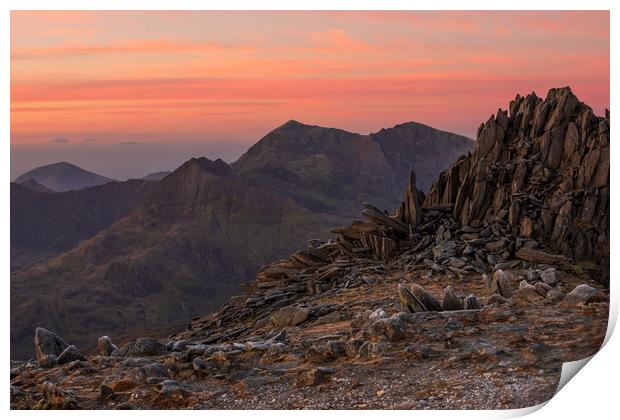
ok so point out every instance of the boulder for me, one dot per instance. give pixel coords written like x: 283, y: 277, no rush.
x: 501, y: 284
x: 290, y: 316
x: 426, y: 298
x: 47, y: 342
x: 580, y: 295
x: 450, y: 301
x: 70, y: 354
x: 105, y: 345
x: 408, y: 301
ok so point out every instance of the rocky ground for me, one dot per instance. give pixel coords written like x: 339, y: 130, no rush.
x: 470, y: 298
x: 350, y: 346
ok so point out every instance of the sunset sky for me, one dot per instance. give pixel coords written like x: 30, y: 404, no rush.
x: 126, y: 93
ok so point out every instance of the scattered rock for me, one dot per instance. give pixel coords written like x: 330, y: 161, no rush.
x: 143, y: 346
x: 57, y: 398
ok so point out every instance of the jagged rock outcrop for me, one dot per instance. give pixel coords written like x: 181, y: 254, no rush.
x: 543, y: 167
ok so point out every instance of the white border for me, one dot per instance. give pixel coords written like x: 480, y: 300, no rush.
x: 593, y: 394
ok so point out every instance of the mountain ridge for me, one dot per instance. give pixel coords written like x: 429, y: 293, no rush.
x: 190, y: 239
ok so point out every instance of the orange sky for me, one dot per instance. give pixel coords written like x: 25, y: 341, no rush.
x: 90, y: 77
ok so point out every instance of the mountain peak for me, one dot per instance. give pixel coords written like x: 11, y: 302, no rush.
x: 63, y: 176
x: 215, y: 167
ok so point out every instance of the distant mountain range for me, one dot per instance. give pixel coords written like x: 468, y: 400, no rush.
x: 62, y: 176
x: 141, y: 256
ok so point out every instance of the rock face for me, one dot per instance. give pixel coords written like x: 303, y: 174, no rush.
x: 543, y: 166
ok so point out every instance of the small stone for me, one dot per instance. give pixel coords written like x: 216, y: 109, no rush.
x: 377, y: 314
x: 527, y: 294
x: 352, y: 347
x: 542, y: 288
x: 443, y: 250
x: 174, y: 391
x: 471, y: 302
x: 499, y: 299
x: 554, y: 295
x: 48, y: 361
x: 392, y: 328
x: 177, y: 346
x: 330, y: 318
x: 487, y: 281
x: 105, y: 391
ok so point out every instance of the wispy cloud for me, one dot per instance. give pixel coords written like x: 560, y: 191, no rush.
x: 137, y: 143
x: 59, y: 141
x: 129, y: 47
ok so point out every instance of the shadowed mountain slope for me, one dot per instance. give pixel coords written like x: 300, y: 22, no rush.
x: 44, y: 225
